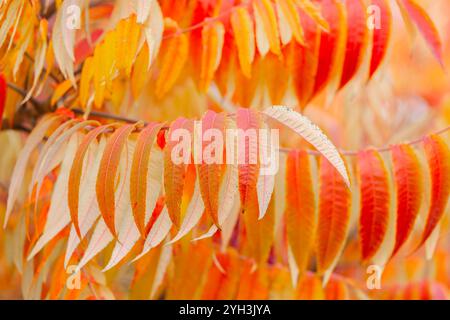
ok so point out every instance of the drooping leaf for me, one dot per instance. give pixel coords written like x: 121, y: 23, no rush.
x: 375, y: 202
x: 193, y: 214
x: 267, y: 36
x: 304, y: 60
x: 33, y: 141
x: 243, y: 31
x: 106, y: 179
x: 425, y: 25
x: 76, y: 172
x: 174, y: 52
x: 356, y: 39
x: 334, y: 216
x: 157, y: 233
x: 3, y: 89
x: 268, y: 152
x: 88, y: 211
x: 248, y: 122
x: 300, y: 207
x: 409, y: 185
x: 102, y: 235
x: 381, y: 34
x: 332, y: 44
x: 438, y: 156
x: 127, y: 40
x: 139, y: 174
x: 212, y: 45
x: 259, y: 232
x: 58, y: 215
x: 289, y: 22
x: 210, y: 170
x: 177, y: 154
x: 311, y: 9
x: 311, y: 133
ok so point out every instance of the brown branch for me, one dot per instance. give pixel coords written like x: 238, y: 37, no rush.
x: 105, y: 115
x: 22, y: 92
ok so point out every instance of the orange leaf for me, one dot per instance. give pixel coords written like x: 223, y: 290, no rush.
x: 75, y: 174
x: 210, y: 174
x: 438, y: 156
x: 176, y: 158
x: 334, y: 216
x: 300, y: 207
x: 356, y: 39
x: 2, y: 97
x: 381, y: 35
x: 127, y: 41
x: 267, y: 36
x: 329, y: 43
x: 106, y: 179
x: 174, y: 52
x: 138, y: 175
x: 212, y: 44
x: 312, y: 11
x: 374, y: 202
x: 242, y: 26
x: 409, y: 184
x: 287, y: 10
x: 259, y: 232
x: 304, y: 60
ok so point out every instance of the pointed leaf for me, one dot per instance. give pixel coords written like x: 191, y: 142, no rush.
x: 311, y: 133
x: 300, y: 207
x: 438, y: 156
x: 334, y: 216
x: 409, y: 185
x: 375, y: 202
x: 139, y: 174
x: 106, y: 179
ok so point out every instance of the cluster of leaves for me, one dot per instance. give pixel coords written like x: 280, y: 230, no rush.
x: 117, y: 183
x: 244, y: 47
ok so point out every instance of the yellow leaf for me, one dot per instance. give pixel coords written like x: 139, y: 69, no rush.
x: 242, y: 26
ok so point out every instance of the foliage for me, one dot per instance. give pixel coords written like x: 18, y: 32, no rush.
x: 92, y: 187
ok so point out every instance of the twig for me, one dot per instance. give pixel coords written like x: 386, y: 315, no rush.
x: 104, y: 115
x: 22, y: 92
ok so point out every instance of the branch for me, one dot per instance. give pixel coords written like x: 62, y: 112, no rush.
x: 105, y: 115
x: 22, y: 92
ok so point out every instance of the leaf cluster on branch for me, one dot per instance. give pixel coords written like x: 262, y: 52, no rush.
x: 118, y: 183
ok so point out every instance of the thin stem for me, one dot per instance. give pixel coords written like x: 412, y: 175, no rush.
x: 105, y: 115
x: 22, y: 92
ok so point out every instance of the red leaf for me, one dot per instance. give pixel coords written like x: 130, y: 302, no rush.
x: 381, y: 35
x: 426, y: 27
x: 409, y: 187
x: 438, y: 156
x: 210, y: 174
x: 374, y: 202
x: 356, y: 39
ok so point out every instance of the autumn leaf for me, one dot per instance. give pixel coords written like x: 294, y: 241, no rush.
x: 106, y: 179
x: 409, y: 185
x: 334, y: 216
x: 300, y: 207
x: 374, y: 202
x: 438, y: 155
x: 139, y: 174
